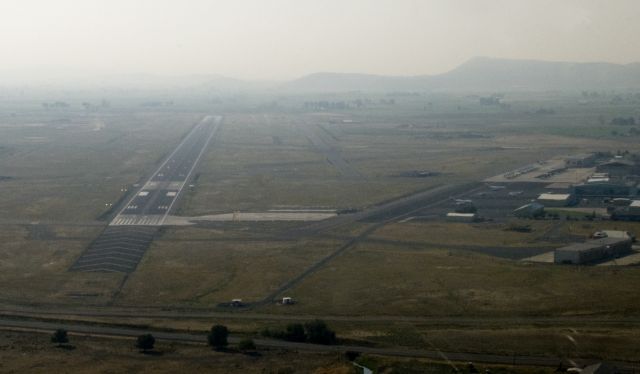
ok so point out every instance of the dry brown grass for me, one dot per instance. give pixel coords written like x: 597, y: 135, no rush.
x: 446, y: 233
x: 36, y: 270
x: 373, y: 279
x: 587, y: 228
x: 207, y: 273
x: 33, y: 353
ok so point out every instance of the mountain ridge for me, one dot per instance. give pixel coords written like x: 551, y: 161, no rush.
x: 484, y: 74
x: 479, y: 74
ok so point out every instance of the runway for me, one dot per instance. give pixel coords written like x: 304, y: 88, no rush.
x: 121, y: 246
x: 153, y: 202
x: 323, y: 144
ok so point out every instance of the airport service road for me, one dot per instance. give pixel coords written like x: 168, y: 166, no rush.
x: 121, y: 246
x: 153, y: 202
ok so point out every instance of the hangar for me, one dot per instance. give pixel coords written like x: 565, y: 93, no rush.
x: 606, y: 189
x: 556, y: 199
x: 592, y: 250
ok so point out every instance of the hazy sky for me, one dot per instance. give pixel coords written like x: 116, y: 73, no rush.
x: 281, y: 39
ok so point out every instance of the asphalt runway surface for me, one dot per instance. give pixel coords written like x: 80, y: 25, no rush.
x: 322, y: 143
x: 153, y: 202
x: 121, y: 246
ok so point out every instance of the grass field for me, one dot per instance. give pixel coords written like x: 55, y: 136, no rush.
x: 101, y: 355
x: 94, y: 355
x: 205, y: 273
x: 480, y: 234
x: 432, y: 282
x: 35, y: 270
x: 65, y: 166
x: 63, y: 169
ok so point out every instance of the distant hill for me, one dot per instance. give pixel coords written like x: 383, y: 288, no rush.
x: 332, y: 82
x: 199, y: 83
x: 501, y: 74
x: 480, y: 74
x: 484, y: 74
x: 87, y: 79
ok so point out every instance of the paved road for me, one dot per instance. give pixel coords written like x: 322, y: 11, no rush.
x: 152, y: 203
x: 395, y: 209
x: 181, y: 313
x: 381, y: 215
x: 200, y: 337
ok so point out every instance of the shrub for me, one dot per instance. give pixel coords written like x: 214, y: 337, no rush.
x: 247, y: 345
x: 145, y: 342
x: 319, y: 333
x: 60, y: 337
x: 217, y: 337
x: 295, y: 333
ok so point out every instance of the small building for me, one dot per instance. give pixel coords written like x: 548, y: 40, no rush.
x: 582, y: 160
x: 606, y: 189
x: 461, y: 217
x: 634, y: 207
x: 616, y: 167
x: 592, y: 251
x: 556, y: 199
x: 620, y: 201
x: 287, y: 300
x: 629, y: 213
x: 531, y: 210
x: 599, y: 178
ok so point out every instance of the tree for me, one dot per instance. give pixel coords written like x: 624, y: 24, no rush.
x: 60, y: 337
x: 318, y: 332
x: 217, y: 337
x: 471, y: 368
x: 145, y: 342
x: 246, y: 345
x: 351, y: 355
x: 295, y: 333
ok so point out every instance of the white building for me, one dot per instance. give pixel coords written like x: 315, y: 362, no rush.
x: 634, y: 207
x: 462, y: 217
x: 556, y: 199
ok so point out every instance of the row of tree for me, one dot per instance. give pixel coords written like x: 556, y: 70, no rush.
x: 358, y: 103
x: 622, y: 121
x: 316, y: 332
x: 217, y: 338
